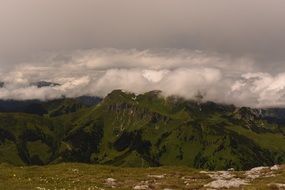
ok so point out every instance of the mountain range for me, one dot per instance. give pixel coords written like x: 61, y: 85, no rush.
x: 38, y: 84
x: 126, y: 129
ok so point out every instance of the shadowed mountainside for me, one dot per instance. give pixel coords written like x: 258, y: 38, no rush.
x: 125, y: 129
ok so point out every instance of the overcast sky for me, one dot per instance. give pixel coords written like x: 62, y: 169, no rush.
x: 245, y: 36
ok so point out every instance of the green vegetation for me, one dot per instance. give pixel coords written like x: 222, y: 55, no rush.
x: 144, y: 130
x: 95, y: 177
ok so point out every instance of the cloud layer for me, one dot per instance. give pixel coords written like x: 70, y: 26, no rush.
x: 220, y: 77
x: 241, y: 58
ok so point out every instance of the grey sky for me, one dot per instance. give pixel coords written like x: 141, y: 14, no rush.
x: 234, y: 50
x: 237, y: 27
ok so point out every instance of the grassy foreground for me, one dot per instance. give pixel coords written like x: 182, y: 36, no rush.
x: 92, y: 177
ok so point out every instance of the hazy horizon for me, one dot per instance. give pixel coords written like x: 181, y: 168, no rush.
x: 232, y: 51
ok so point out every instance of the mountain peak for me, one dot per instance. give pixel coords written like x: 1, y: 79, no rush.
x: 41, y: 84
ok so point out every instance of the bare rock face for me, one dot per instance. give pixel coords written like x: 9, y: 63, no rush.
x: 275, y: 167
x: 224, y: 179
x: 231, y: 183
x: 111, y: 182
x: 157, y: 176
x: 141, y: 187
x: 228, y: 179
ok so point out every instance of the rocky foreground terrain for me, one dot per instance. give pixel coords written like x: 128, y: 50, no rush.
x: 92, y: 177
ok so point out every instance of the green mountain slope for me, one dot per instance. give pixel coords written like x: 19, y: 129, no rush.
x: 125, y: 129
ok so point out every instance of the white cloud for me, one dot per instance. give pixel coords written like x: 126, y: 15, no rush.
x: 154, y: 75
x: 175, y: 72
x: 260, y: 89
